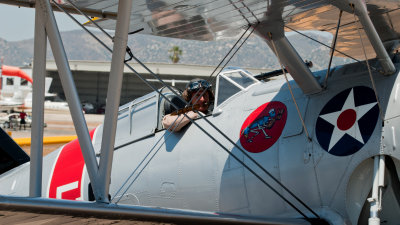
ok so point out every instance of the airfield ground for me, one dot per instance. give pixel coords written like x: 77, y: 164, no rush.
x: 28, y: 218
x: 59, y: 123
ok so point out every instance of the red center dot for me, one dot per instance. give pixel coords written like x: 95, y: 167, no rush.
x: 346, y: 119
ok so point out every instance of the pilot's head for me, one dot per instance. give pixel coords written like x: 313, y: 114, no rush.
x: 194, y: 94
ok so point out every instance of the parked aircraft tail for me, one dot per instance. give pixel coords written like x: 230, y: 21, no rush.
x: 15, y: 71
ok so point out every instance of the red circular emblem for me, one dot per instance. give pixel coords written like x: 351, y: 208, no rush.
x: 263, y: 127
x: 347, y: 119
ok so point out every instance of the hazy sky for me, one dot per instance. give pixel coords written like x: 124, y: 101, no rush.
x: 18, y: 23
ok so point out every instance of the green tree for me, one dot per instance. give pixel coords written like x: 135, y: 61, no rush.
x: 175, y: 52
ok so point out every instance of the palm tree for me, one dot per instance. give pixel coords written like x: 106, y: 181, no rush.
x: 176, y: 52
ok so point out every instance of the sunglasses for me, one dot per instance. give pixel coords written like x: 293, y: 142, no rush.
x: 198, y: 84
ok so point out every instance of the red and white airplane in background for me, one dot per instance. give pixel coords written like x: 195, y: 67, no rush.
x: 16, y: 90
x: 15, y: 84
x: 318, y: 148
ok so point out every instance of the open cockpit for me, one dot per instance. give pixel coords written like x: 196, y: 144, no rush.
x: 147, y: 112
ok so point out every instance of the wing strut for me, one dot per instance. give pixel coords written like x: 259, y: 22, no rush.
x: 295, y: 65
x: 272, y: 23
x: 39, y: 73
x: 382, y: 55
x: 70, y: 92
x: 377, y: 186
x: 99, y: 175
x: 113, y: 98
x: 360, y: 9
x: 369, y: 69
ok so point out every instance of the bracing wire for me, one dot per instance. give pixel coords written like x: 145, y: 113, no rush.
x: 238, y: 9
x: 227, y: 54
x: 338, y: 51
x: 226, y: 63
x: 248, y: 156
x: 141, y: 170
x: 147, y: 155
x: 210, y: 78
x: 88, y: 18
x: 332, y: 49
x: 366, y: 60
x: 290, y: 88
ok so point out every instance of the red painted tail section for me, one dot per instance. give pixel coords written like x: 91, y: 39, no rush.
x: 15, y: 71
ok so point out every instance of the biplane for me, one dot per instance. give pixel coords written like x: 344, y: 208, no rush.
x: 313, y: 148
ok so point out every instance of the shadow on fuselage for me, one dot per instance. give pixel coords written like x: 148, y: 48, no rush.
x: 268, y: 130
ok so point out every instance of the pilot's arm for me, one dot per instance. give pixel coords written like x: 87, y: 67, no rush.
x: 176, y: 122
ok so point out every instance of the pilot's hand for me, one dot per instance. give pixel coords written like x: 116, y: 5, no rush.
x: 192, y: 115
x: 176, y: 122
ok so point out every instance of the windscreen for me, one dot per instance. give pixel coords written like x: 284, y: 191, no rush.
x: 231, y: 82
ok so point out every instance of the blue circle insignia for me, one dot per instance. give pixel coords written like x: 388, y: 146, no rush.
x: 347, y: 121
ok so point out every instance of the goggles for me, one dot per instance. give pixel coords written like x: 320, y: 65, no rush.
x: 196, y: 85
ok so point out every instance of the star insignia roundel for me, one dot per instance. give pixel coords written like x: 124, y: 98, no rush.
x: 347, y: 121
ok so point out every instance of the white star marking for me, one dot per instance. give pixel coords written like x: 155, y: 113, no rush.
x: 353, y: 131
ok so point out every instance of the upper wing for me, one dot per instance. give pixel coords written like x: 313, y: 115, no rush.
x: 214, y: 19
x: 384, y: 15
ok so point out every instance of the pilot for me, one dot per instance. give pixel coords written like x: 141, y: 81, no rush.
x: 200, y: 96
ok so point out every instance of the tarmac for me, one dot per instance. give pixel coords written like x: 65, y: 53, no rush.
x: 28, y: 218
x: 59, y: 123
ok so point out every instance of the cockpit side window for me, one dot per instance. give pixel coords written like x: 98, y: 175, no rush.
x: 24, y: 82
x: 10, y: 81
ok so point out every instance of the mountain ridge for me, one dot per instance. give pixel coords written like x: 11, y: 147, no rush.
x: 253, y: 54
